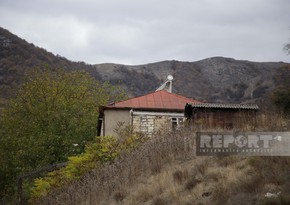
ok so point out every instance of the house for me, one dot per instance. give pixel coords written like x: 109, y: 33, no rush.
x: 224, y: 116
x: 163, y: 109
x: 147, y: 114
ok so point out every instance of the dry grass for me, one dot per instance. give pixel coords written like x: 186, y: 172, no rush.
x: 98, y: 186
x: 165, y: 171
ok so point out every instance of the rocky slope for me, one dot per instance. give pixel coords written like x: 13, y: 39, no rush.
x: 215, y: 79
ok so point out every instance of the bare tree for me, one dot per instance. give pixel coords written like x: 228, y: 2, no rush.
x: 287, y: 48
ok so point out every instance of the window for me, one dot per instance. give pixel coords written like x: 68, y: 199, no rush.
x: 176, y: 122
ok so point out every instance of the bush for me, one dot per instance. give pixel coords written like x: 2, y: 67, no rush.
x: 106, y: 149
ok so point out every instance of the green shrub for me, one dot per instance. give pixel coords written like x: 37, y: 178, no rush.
x: 106, y: 149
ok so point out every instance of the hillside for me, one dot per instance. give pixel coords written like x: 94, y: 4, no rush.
x: 214, y: 79
x: 18, y: 58
x: 165, y: 170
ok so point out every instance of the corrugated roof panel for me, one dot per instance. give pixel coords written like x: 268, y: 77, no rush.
x: 226, y: 106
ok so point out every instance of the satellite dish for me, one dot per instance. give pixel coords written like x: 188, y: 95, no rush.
x: 169, y: 77
x: 167, y: 85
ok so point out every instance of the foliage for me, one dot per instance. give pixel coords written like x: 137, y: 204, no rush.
x: 281, y: 99
x: 105, y: 149
x: 287, y: 48
x: 17, y: 59
x: 52, y: 117
x: 281, y: 95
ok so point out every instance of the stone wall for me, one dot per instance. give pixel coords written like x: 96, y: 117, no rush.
x: 149, y: 124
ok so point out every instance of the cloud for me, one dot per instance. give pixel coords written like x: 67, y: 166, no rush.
x: 145, y: 31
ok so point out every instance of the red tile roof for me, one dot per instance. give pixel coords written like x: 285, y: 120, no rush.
x: 158, y: 100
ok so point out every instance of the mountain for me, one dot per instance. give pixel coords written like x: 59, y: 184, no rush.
x: 214, y: 79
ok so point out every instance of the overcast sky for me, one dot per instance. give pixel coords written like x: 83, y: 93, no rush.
x: 147, y: 31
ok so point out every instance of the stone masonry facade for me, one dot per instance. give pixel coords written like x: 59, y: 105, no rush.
x: 149, y: 124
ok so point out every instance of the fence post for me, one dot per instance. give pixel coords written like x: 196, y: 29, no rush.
x: 19, y: 191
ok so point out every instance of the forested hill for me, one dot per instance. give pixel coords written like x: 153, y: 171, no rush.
x: 216, y: 79
x: 17, y: 57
